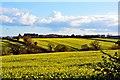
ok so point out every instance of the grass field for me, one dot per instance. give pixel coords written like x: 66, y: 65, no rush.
x: 51, y: 65
x: 71, y: 42
x: 107, y: 39
x: 55, y: 65
x: 75, y: 43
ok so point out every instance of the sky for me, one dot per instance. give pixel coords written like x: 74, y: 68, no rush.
x: 60, y: 0
x: 59, y: 18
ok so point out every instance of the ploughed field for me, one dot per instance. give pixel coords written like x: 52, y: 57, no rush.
x: 52, y: 65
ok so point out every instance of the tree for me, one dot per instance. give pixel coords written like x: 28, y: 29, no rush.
x: 15, y: 49
x: 61, y: 48
x: 85, y: 47
x: 27, y: 40
x: 72, y: 35
x: 118, y: 42
x: 110, y: 67
x: 95, y: 45
x: 35, y: 43
x: 51, y: 47
x: 18, y: 38
x: 20, y: 35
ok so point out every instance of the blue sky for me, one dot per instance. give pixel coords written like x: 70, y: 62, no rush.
x: 59, y: 0
x: 59, y: 17
x: 67, y: 8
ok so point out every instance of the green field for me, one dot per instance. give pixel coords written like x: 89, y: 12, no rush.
x: 71, y: 42
x: 51, y: 65
x: 55, y: 65
x: 75, y: 43
x: 107, y: 39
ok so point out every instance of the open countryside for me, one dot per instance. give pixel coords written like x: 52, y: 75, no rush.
x: 73, y: 64
x: 59, y: 40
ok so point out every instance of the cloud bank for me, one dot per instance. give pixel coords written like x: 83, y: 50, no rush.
x: 57, y: 21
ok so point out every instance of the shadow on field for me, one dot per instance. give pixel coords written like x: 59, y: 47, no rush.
x: 86, y: 64
x: 81, y: 78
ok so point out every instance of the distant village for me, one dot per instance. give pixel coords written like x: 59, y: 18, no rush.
x: 33, y: 35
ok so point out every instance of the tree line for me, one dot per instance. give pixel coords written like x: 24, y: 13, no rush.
x: 31, y: 47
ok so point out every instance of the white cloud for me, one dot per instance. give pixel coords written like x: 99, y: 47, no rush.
x: 16, y: 16
x: 55, y: 17
x: 107, y: 20
x: 5, y: 19
x: 112, y: 20
x: 23, y: 17
x: 27, y: 19
x: 66, y: 24
x: 76, y: 21
x: 57, y: 14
